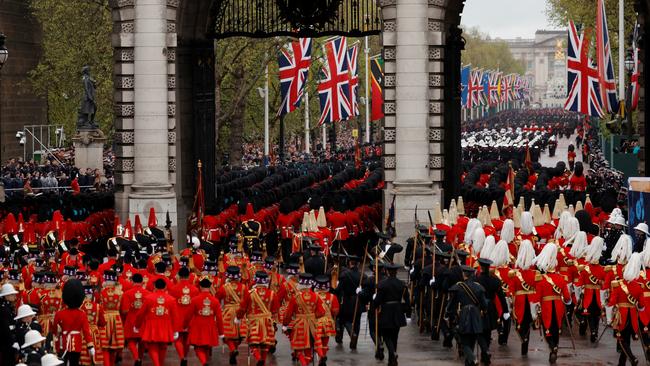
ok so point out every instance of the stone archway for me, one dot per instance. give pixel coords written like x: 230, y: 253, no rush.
x: 164, y: 104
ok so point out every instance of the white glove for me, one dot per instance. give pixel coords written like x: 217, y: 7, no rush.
x: 412, y: 270
x: 374, y: 296
x: 358, y: 290
x: 382, y: 254
x: 16, y: 346
x: 284, y: 328
x: 91, y: 350
x: 136, y: 330
x: 577, y: 291
x: 237, y: 321
x: 604, y: 295
x: 533, y: 310
x: 432, y: 281
x: 609, y: 313
x: 221, y: 336
x: 175, y: 335
x: 506, y: 316
x: 408, y: 320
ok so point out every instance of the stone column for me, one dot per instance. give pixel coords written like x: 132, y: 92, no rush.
x: 151, y: 185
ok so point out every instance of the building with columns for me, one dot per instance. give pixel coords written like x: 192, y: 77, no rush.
x: 538, y: 57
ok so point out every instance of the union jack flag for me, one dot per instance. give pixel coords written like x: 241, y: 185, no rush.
x: 507, y: 88
x: 353, y: 53
x: 294, y: 61
x: 485, y: 93
x: 474, y: 88
x: 493, y: 88
x: 584, y: 91
x: 606, y: 78
x: 634, y: 83
x: 334, y: 85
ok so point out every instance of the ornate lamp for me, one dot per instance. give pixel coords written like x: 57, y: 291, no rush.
x: 4, y: 53
x: 308, y: 14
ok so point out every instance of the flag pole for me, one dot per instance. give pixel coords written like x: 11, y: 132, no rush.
x: 621, y: 50
x: 266, y: 113
x: 367, y: 130
x: 324, y: 136
x: 307, y: 142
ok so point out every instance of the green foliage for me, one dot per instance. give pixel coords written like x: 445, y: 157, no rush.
x: 483, y: 52
x: 75, y: 33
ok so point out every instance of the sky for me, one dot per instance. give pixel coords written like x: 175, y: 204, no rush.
x: 506, y: 18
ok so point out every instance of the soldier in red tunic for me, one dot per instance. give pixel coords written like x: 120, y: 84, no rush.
x: 206, y: 324
x: 159, y: 323
x: 50, y: 302
x: 522, y: 285
x: 553, y: 293
x: 232, y: 293
x: 326, y: 325
x: 113, y: 333
x: 71, y: 325
x: 131, y: 308
x: 627, y: 297
x: 588, y: 288
x: 183, y: 291
x: 96, y: 320
x: 300, y: 320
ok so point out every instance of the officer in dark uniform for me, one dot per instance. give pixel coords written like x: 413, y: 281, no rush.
x: 392, y: 300
x: 493, y: 292
x: 441, y: 242
x: 315, y: 263
x: 465, y: 311
x: 408, y: 255
x: 368, y: 290
x: 7, y: 324
x: 436, y: 293
x: 349, y: 280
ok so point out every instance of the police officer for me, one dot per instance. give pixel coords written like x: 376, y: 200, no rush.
x: 392, y: 300
x: 465, y: 310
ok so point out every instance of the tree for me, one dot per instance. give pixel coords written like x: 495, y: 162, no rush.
x: 483, y: 52
x: 75, y: 33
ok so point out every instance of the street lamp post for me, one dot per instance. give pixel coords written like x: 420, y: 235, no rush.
x: 4, y: 55
x: 629, y: 67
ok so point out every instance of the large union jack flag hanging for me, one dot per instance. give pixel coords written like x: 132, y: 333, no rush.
x: 334, y: 85
x: 353, y: 56
x: 634, y: 82
x: 493, y: 88
x: 294, y: 61
x: 605, y: 65
x: 475, y: 88
x: 584, y: 91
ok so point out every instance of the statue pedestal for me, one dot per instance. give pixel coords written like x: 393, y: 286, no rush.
x: 89, y: 150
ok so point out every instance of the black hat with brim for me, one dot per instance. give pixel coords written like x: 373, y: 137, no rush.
x: 467, y: 269
x: 484, y: 262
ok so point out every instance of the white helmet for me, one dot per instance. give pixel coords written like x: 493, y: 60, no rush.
x: 7, y: 289
x: 31, y: 338
x: 24, y: 311
x: 50, y: 360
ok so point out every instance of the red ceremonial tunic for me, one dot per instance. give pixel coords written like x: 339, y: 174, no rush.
x: 591, y: 279
x: 206, y: 323
x: 612, y: 273
x: 113, y: 333
x: 96, y: 320
x: 522, y: 285
x: 232, y: 293
x: 132, y: 307
x: 644, y: 315
x: 301, y: 316
x: 259, y: 307
x: 184, y: 291
x: 159, y: 320
x: 626, y: 296
x: 553, y: 292
x: 73, y: 330
x: 326, y: 323
x: 578, y: 183
x: 50, y: 303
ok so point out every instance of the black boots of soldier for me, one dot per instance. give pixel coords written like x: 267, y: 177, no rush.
x: 233, y: 358
x: 339, y: 336
x: 322, y: 362
x: 622, y: 360
x: 486, y: 358
x: 392, y: 361
x: 553, y: 356
x: 137, y: 363
x: 353, y: 341
x: 183, y: 362
x: 524, y: 347
x: 379, y: 355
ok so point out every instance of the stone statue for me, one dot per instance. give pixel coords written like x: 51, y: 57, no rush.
x: 559, y: 50
x: 86, y: 118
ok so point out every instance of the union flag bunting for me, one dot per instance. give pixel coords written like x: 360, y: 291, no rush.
x: 583, y: 78
x: 334, y: 84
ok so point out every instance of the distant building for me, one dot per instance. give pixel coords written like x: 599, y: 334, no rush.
x: 538, y: 57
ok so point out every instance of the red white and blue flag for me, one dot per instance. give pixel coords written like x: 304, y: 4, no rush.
x: 636, y: 72
x: 334, y: 85
x: 583, y: 86
x: 493, y: 88
x: 606, y: 77
x: 294, y: 61
x: 353, y: 56
x: 475, y: 88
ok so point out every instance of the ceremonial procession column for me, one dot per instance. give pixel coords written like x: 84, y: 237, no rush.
x: 413, y: 107
x: 144, y: 106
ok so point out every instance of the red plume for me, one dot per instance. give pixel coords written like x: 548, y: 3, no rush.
x: 21, y: 223
x: 10, y: 224
x: 250, y: 214
x: 153, y: 222
x: 75, y: 186
x: 138, y: 225
x: 128, y: 230
x: 57, y: 219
